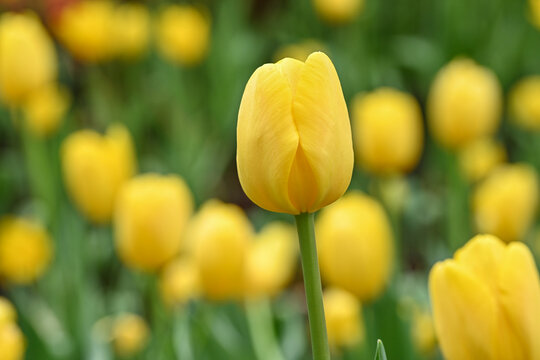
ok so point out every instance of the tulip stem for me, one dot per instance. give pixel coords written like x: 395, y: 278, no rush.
x: 312, y: 284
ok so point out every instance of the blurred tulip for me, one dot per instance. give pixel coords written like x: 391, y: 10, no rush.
x: 7, y: 312
x: 85, y: 29
x: 151, y: 215
x: 486, y: 302
x: 505, y: 203
x: 534, y: 8
x: 129, y: 334
x: 524, y: 103
x: 423, y: 332
x: 294, y: 148
x: 131, y: 30
x: 355, y: 245
x: 220, y: 235
x: 45, y: 109
x: 394, y: 192
x: 179, y: 281
x: 388, y: 131
x: 25, y: 250
x: 27, y: 57
x: 344, y: 321
x: 12, y: 343
x: 271, y: 260
x: 299, y: 51
x: 338, y: 11
x: 479, y: 157
x: 94, y: 168
x: 464, y: 103
x: 183, y: 34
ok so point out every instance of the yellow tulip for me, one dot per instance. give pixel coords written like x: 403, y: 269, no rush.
x: 299, y: 51
x: 524, y: 104
x: 12, y: 343
x: 85, y: 29
x: 355, y: 245
x: 486, y: 302
x: 7, y: 312
x: 129, y: 334
x: 294, y: 148
x: 94, y: 168
x: 27, y: 57
x: 220, y: 235
x: 388, y: 132
x: 534, y: 9
x: 338, y: 11
x: 25, y: 250
x: 45, y: 108
x: 464, y: 103
x: 344, y: 321
x: 151, y: 215
x: 423, y: 332
x: 131, y: 30
x: 479, y: 157
x: 505, y: 203
x: 179, y: 281
x: 183, y: 34
x: 271, y: 260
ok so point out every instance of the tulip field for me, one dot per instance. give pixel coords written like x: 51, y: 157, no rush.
x: 270, y: 180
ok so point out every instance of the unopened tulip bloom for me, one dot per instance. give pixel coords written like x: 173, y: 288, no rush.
x: 25, y: 250
x: 131, y: 30
x: 479, y: 157
x: 534, y: 7
x: 271, y: 260
x: 524, y: 104
x: 150, y: 218
x: 179, y: 281
x: 220, y: 235
x: 183, y: 34
x: 299, y: 51
x: 7, y: 312
x: 338, y: 11
x: 44, y: 109
x: 12, y: 343
x: 486, y: 302
x: 344, y: 321
x: 388, y: 132
x: 27, y: 57
x: 505, y: 203
x: 94, y: 168
x: 464, y: 103
x: 423, y: 332
x: 294, y: 145
x: 355, y: 245
x: 129, y: 334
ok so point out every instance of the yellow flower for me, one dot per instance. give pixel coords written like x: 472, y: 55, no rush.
x: 129, y: 334
x: 423, y: 332
x: 183, y: 34
x: 7, y: 312
x: 220, y: 235
x: 85, y: 29
x: 299, y: 51
x: 338, y: 11
x: 486, y: 302
x: 12, y: 343
x: 27, y: 57
x: 344, y: 321
x: 271, y: 260
x: 45, y: 108
x: 479, y: 157
x: 534, y: 8
x: 504, y: 204
x: 355, y: 245
x: 179, y: 281
x: 464, y: 103
x: 25, y: 250
x: 131, y: 30
x: 394, y: 192
x: 94, y: 168
x: 151, y: 215
x: 524, y: 104
x: 294, y: 148
x: 388, y: 131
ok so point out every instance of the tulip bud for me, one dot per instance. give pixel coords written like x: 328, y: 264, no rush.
x: 12, y: 343
x: 25, y: 250
x: 464, y: 103
x: 388, y: 131
x: 45, y: 108
x: 183, y: 34
x: 179, y: 282
x: 505, y: 203
x: 338, y: 11
x: 94, y: 168
x: 271, y: 260
x: 344, y: 321
x: 150, y: 218
x: 534, y: 12
x: 355, y: 245
x: 129, y: 334
x: 486, y: 302
x: 423, y: 332
x: 131, y: 30
x: 220, y: 235
x: 524, y: 104
x: 27, y: 57
x: 7, y: 312
x: 294, y: 149
x: 479, y: 157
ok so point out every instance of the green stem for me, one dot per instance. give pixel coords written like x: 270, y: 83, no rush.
x: 259, y: 317
x: 312, y: 284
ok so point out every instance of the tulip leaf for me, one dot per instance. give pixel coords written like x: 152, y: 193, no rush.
x: 380, y: 354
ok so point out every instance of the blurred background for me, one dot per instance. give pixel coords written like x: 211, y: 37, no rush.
x: 444, y: 101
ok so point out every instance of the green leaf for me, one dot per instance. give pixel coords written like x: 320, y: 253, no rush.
x: 380, y: 354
